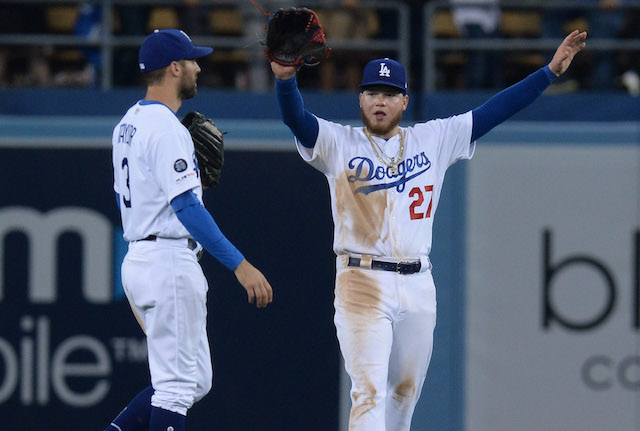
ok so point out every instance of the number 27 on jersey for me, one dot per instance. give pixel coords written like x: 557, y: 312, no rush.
x: 415, y: 210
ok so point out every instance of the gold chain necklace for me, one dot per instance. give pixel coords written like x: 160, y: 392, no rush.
x: 393, y: 161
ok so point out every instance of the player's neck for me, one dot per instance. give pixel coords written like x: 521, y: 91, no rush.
x: 387, y: 135
x: 164, y: 95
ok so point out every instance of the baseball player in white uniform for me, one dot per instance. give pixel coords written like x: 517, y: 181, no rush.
x: 385, y: 183
x: 157, y: 182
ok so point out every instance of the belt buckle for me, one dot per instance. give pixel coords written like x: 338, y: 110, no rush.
x: 399, y: 265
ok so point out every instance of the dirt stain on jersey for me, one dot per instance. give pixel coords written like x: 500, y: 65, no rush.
x: 358, y: 292
x: 359, y: 295
x: 362, y: 401
x: 362, y: 215
x: 404, y: 392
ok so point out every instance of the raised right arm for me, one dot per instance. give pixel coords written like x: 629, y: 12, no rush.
x: 302, y: 123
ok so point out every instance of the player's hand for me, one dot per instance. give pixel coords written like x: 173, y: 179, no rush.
x: 257, y: 287
x: 569, y: 47
x: 283, y: 72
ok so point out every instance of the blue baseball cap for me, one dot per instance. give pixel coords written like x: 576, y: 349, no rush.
x: 162, y: 47
x: 384, y: 71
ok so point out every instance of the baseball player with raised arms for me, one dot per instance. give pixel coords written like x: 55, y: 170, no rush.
x: 385, y: 183
x: 158, y: 187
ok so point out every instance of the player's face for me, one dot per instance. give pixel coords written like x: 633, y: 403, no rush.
x: 381, y: 109
x: 188, y: 84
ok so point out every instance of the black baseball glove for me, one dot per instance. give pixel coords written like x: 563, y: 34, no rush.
x: 208, y: 143
x: 295, y: 38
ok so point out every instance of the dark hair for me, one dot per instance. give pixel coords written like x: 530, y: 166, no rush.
x: 153, y: 77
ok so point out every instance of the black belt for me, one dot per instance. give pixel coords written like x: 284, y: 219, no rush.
x: 400, y: 267
x: 191, y: 244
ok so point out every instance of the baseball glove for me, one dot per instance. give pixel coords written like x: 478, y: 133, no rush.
x: 295, y: 38
x: 208, y: 143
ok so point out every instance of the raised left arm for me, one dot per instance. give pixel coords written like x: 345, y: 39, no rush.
x: 570, y: 46
x: 520, y: 95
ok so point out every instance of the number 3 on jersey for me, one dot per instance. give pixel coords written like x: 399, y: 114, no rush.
x: 419, y: 200
x: 125, y: 166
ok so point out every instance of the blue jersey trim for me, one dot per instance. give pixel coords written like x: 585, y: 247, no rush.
x: 144, y: 102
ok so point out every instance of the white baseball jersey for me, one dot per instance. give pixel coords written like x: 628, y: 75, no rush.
x: 374, y: 211
x: 384, y: 214
x: 154, y: 161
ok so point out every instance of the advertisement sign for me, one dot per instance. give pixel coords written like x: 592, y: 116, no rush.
x: 67, y: 345
x: 553, y: 288
x: 71, y: 353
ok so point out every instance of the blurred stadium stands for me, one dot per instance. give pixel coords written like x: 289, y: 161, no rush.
x: 93, y: 43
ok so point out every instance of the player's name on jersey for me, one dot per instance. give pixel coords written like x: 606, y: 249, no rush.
x: 125, y: 135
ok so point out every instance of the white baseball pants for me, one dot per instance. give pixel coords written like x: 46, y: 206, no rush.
x: 168, y: 291
x: 385, y: 324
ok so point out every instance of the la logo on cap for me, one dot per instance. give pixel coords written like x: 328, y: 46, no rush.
x: 384, y: 70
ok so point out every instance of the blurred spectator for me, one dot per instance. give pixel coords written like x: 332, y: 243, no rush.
x: 23, y: 66
x: 479, y: 20
x: 604, y: 22
x: 38, y: 70
x: 89, y: 26
x: 345, y: 19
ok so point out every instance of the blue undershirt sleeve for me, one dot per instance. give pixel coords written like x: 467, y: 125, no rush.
x: 201, y: 225
x: 509, y: 101
x: 118, y: 199
x: 302, y: 123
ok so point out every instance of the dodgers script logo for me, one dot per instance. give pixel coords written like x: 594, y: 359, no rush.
x: 365, y: 171
x: 384, y: 70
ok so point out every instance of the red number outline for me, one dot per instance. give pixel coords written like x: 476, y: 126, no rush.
x: 412, y: 208
x: 429, y: 189
x: 419, y: 201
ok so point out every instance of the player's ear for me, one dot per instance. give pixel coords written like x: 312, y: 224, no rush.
x: 360, y: 97
x: 174, y: 68
x: 405, y: 102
